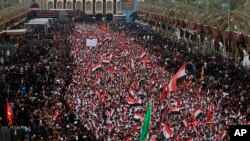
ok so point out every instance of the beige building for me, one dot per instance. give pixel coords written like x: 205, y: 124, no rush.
x: 88, y: 6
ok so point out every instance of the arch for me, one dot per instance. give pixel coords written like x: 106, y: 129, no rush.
x: 69, y: 5
x: 50, y: 5
x: 78, y: 5
x: 59, y: 5
x: 88, y: 6
x: 98, y: 6
x: 109, y: 6
x: 118, y: 5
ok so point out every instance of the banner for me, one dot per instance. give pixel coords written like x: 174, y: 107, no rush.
x: 127, y: 5
x: 145, y: 127
x: 91, y: 42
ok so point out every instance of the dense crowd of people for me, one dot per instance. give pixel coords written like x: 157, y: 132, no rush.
x: 65, y: 90
x: 32, y: 79
x: 128, y: 67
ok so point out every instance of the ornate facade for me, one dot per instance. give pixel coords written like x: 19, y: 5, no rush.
x: 88, y: 6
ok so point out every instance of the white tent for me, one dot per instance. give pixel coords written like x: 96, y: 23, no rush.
x: 38, y: 22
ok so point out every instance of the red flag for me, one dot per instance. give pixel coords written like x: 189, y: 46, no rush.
x: 97, y: 66
x: 104, y: 28
x: 186, y: 123
x: 9, y: 113
x: 222, y: 135
x: 209, y: 115
x: 55, y: 115
x: 174, y: 109
x: 132, y: 101
x: 162, y: 95
x: 167, y: 132
x: 196, y: 112
x: 172, y: 86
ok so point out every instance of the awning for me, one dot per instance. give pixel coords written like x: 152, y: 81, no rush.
x: 15, y: 31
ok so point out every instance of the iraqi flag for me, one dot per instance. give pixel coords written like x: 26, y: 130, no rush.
x: 97, y: 66
x: 132, y: 101
x: 152, y: 139
x: 167, y: 132
x: 96, y: 82
x: 9, y: 113
x: 186, y: 123
x: 138, y: 117
x: 196, y: 112
x: 174, y: 110
x: 106, y: 60
x: 176, y: 103
x: 172, y: 86
x: 195, y: 126
x: 222, y: 135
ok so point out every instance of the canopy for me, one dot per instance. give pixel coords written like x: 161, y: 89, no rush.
x: 38, y: 22
x: 15, y: 31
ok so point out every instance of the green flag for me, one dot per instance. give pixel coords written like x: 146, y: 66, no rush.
x: 144, y: 130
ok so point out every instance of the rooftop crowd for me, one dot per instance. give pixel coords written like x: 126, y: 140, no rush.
x: 66, y: 90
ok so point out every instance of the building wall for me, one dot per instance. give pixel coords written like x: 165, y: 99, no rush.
x: 88, y: 6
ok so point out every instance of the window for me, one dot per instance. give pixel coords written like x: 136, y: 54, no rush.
x: 88, y: 6
x: 99, y: 6
x: 118, y: 6
x: 69, y: 5
x: 50, y: 5
x: 78, y: 5
x: 109, y: 6
x: 59, y: 5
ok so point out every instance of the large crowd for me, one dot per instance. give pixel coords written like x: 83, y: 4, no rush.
x: 65, y: 90
x: 33, y: 80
